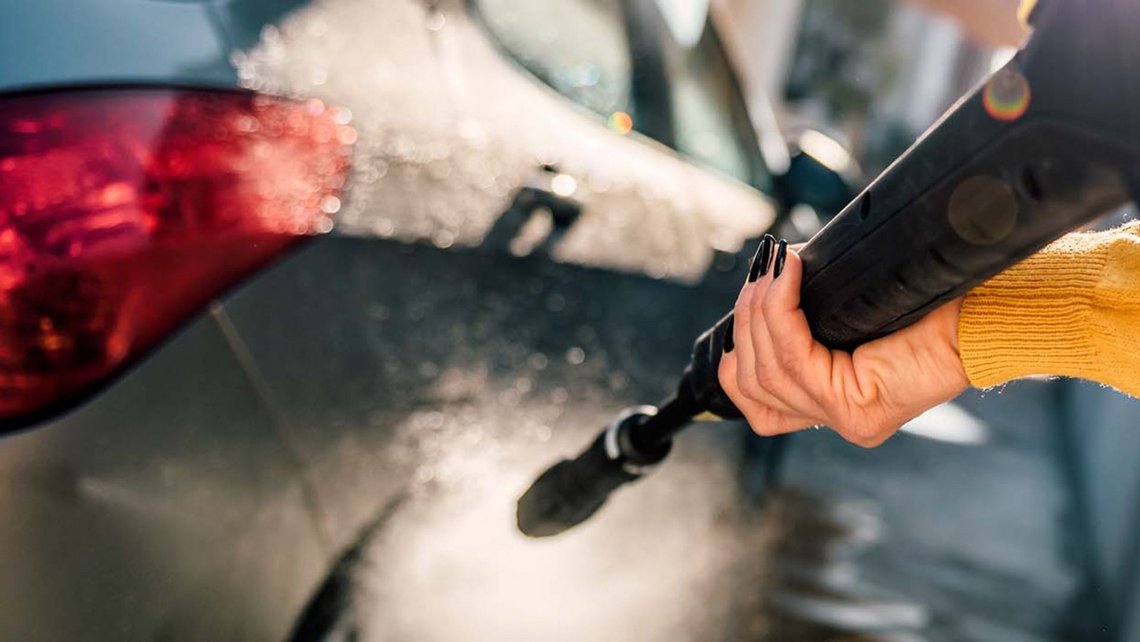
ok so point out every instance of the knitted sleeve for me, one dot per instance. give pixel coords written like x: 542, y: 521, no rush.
x: 1071, y: 310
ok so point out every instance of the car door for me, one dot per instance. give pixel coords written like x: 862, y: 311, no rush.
x: 500, y: 247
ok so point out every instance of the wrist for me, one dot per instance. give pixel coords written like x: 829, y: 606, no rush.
x: 1031, y: 320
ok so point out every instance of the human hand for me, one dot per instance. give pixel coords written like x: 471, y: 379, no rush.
x: 783, y: 380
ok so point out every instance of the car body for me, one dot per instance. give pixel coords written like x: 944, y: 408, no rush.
x: 207, y: 490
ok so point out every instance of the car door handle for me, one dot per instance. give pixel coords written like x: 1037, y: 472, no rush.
x: 517, y: 229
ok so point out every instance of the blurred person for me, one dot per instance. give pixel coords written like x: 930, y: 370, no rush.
x: 1071, y: 310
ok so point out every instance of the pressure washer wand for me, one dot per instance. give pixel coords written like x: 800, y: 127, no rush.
x: 1048, y: 144
x: 572, y: 490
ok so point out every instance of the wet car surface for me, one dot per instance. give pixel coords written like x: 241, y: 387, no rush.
x: 227, y: 472
x: 441, y: 157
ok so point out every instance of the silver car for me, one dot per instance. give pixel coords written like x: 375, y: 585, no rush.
x: 263, y: 260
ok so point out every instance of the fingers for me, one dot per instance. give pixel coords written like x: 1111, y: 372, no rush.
x: 775, y: 304
x: 783, y: 380
x: 797, y: 355
x: 763, y: 419
x: 745, y: 350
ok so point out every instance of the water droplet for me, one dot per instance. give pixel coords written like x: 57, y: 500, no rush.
x: 346, y: 135
x: 443, y: 239
x: 575, y: 356
x: 618, y: 382
x: 556, y: 302
x: 564, y: 185
x: 537, y: 361
x: 318, y: 27
x: 434, y: 419
x: 314, y: 106
x: 384, y: 228
x: 330, y: 205
x: 248, y: 124
x: 436, y: 21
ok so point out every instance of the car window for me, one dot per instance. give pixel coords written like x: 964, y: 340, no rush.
x: 582, y: 49
x: 709, y: 124
x: 578, y: 47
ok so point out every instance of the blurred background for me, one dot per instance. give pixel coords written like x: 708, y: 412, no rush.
x: 872, y: 74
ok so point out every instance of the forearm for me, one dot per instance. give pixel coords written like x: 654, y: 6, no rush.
x: 1071, y: 310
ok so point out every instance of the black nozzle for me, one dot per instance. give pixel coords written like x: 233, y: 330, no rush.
x: 572, y: 490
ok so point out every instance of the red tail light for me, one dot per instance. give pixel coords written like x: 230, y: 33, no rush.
x: 123, y: 212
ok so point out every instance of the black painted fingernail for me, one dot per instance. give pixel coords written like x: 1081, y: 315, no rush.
x: 729, y: 339
x: 781, y: 256
x: 762, y: 259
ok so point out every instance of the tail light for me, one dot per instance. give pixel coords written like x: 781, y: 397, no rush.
x: 123, y: 212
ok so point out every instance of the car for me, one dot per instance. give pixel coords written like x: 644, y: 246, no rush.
x: 265, y: 258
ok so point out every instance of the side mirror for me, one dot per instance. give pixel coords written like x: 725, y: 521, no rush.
x: 822, y: 175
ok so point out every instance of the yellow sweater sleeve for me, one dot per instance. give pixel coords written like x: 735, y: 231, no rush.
x: 1071, y: 310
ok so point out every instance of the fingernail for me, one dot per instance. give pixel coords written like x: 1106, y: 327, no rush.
x: 729, y: 340
x: 762, y: 259
x: 781, y: 256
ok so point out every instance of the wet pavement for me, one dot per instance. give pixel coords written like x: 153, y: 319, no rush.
x: 975, y: 540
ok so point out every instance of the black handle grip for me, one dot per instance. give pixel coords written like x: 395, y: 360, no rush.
x: 1048, y: 144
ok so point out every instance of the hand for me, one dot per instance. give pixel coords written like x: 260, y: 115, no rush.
x: 783, y: 380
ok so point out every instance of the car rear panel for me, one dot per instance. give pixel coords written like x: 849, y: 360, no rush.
x: 167, y: 508
x: 170, y: 506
